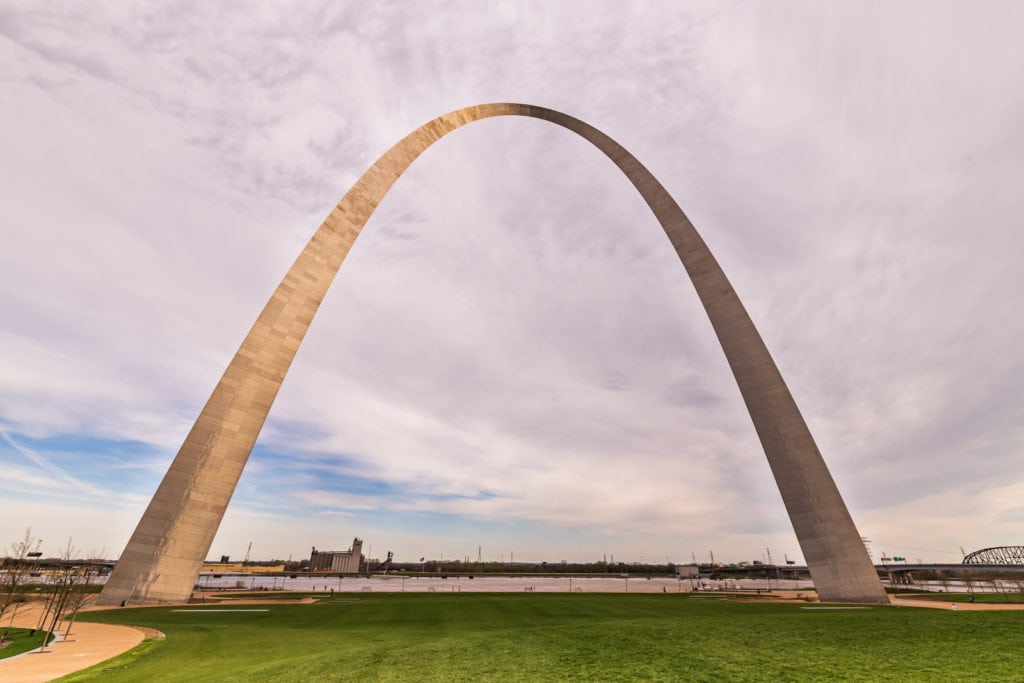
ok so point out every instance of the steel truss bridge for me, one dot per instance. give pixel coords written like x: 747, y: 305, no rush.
x: 1001, y: 555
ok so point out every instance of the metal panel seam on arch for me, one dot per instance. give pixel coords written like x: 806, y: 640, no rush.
x: 165, y: 553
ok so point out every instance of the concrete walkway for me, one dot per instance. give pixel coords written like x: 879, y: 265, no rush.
x: 938, y: 603
x: 932, y: 601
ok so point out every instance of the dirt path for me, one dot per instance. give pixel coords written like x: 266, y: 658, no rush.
x: 933, y: 602
x: 88, y: 644
x: 939, y: 603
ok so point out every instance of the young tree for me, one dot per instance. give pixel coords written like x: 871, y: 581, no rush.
x: 968, y: 580
x: 69, y: 584
x: 14, y: 574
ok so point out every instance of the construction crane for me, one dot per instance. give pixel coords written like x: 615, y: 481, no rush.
x: 245, y: 562
x: 385, y: 566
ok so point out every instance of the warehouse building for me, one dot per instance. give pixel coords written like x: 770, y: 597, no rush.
x: 338, y: 561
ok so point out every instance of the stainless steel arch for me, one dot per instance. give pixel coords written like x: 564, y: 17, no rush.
x: 164, y: 556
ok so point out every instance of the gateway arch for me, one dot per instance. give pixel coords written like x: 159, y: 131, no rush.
x: 165, y: 554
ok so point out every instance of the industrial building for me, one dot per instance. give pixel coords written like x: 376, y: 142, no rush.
x: 338, y: 561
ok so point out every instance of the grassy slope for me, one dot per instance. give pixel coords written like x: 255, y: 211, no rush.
x: 542, y: 636
x: 21, y: 641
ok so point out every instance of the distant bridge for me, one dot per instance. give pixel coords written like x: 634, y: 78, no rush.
x: 1001, y: 555
x: 951, y: 569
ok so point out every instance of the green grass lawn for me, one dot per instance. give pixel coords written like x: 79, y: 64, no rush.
x: 20, y: 641
x: 528, y: 637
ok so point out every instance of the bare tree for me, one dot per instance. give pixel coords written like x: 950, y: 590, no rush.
x: 14, y: 574
x: 69, y: 582
x: 968, y: 580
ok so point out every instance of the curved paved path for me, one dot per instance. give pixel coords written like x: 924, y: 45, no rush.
x: 87, y: 645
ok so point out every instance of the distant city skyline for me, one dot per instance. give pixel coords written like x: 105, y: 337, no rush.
x: 854, y: 169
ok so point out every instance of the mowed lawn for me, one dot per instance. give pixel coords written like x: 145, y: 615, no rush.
x: 19, y: 640
x: 533, y: 637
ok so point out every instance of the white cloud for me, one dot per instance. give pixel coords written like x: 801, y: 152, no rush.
x: 511, y: 341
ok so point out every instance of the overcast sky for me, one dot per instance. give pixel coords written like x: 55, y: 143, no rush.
x: 512, y: 357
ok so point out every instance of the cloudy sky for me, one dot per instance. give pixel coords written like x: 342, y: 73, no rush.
x: 512, y: 358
